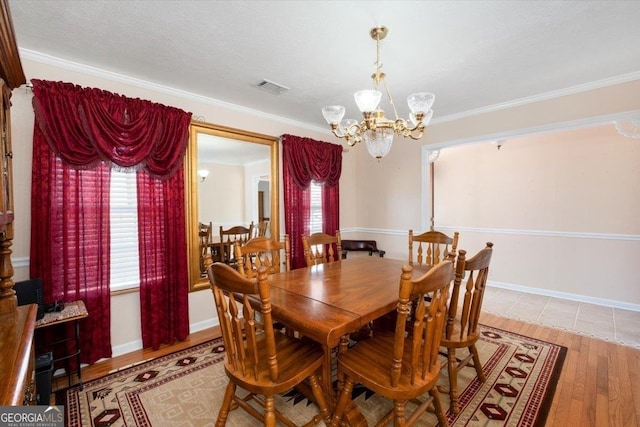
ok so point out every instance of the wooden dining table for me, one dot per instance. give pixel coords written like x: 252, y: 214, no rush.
x: 327, y: 302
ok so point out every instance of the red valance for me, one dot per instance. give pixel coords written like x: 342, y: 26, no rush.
x: 309, y: 160
x: 85, y: 126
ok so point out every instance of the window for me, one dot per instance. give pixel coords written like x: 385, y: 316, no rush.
x: 315, y: 221
x: 125, y: 265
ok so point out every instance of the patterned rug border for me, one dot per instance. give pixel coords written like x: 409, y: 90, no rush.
x: 549, y: 393
x: 543, y: 389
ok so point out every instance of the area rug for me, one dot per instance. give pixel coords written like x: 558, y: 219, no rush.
x: 186, y: 389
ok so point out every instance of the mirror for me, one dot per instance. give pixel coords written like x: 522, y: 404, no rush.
x: 231, y: 179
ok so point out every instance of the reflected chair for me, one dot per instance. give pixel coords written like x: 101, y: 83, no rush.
x: 205, y: 238
x: 432, y: 247
x: 228, y: 237
x: 263, y: 226
x: 320, y: 248
x: 259, y: 359
x: 262, y: 251
x: 463, y: 328
x: 402, y: 366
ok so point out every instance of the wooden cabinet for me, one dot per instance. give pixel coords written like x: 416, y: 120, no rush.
x: 17, y: 382
x: 7, y: 298
x: 11, y: 76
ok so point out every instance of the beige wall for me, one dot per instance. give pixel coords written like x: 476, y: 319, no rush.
x: 561, y: 209
x: 379, y: 200
x: 223, y: 205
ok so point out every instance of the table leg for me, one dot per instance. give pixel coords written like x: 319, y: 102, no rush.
x: 327, y: 376
x: 78, y: 370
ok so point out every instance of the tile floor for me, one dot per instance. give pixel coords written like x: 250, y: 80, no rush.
x: 611, y: 324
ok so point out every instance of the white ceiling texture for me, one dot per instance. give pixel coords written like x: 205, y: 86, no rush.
x: 476, y: 56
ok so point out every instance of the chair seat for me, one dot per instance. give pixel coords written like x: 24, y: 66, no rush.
x: 368, y: 363
x: 297, y: 359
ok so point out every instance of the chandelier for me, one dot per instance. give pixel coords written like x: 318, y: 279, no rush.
x: 376, y: 130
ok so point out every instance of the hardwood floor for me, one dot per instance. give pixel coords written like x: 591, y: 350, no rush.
x: 599, y: 385
x: 600, y: 381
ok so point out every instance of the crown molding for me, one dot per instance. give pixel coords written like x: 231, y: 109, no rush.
x: 546, y: 128
x: 144, y: 84
x: 624, y: 78
x: 121, y: 78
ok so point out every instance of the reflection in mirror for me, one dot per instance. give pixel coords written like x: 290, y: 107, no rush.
x: 232, y: 177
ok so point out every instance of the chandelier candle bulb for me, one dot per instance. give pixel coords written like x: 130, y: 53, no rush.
x: 376, y: 130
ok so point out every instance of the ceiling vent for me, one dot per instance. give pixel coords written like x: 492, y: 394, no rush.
x: 272, y: 87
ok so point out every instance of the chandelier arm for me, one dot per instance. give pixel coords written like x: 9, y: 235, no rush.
x: 411, y: 133
x: 336, y: 133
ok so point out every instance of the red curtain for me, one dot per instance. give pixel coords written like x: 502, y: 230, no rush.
x: 70, y: 241
x: 305, y: 160
x: 164, y: 281
x: 85, y: 126
x: 91, y: 130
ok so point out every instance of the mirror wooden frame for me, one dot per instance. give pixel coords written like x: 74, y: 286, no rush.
x: 196, y: 281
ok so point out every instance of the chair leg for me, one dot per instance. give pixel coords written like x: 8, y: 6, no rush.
x: 269, y: 411
x: 229, y: 392
x: 318, y: 394
x: 476, y: 362
x: 343, y: 400
x: 399, y: 410
x: 452, y: 367
x: 437, y: 405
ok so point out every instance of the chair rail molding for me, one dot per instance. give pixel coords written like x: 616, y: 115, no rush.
x: 487, y: 230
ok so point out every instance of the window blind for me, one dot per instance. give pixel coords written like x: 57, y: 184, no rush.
x: 125, y: 266
x: 315, y: 221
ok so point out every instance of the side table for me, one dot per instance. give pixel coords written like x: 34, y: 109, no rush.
x: 72, y: 312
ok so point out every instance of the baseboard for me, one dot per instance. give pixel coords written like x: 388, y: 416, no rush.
x: 125, y: 348
x: 565, y: 295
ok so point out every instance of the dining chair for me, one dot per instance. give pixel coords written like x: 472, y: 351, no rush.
x: 320, y: 248
x: 259, y: 251
x: 397, y: 365
x: 259, y: 359
x: 228, y: 237
x: 462, y: 328
x: 432, y: 247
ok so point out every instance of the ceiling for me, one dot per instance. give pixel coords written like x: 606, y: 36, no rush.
x: 476, y: 56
